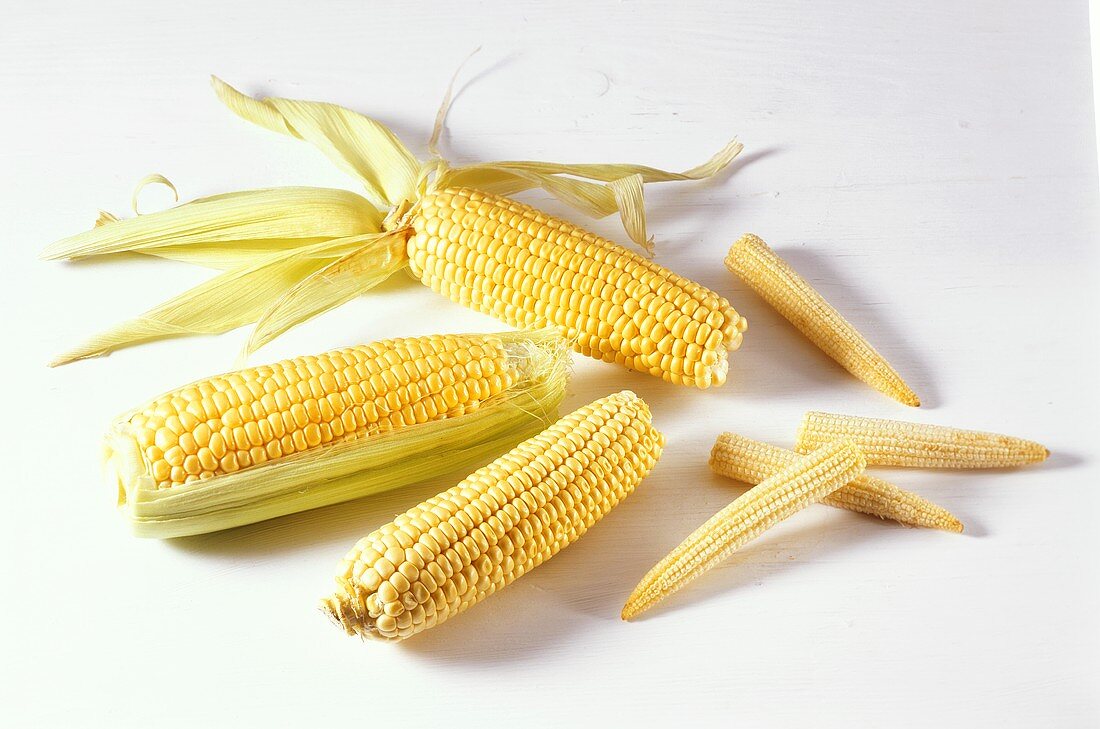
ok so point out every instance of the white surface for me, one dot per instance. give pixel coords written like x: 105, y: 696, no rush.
x: 929, y: 165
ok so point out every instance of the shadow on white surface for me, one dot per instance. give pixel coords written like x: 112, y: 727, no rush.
x: 457, y: 93
x: 777, y: 359
x: 684, y: 206
x: 774, y: 558
x: 855, y: 305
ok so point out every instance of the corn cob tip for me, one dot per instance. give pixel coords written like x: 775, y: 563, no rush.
x: 952, y: 524
x: 648, y: 593
x: 632, y: 608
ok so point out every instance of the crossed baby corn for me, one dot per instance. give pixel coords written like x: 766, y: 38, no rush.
x: 836, y: 449
x: 751, y: 461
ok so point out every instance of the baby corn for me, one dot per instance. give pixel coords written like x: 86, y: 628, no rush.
x: 788, y: 490
x: 897, y: 443
x: 776, y: 282
x: 311, y: 431
x: 751, y: 461
x: 452, y: 551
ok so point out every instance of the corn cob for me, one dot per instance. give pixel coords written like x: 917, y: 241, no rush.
x: 454, y: 550
x: 915, y: 445
x: 751, y: 461
x: 509, y: 260
x: 809, y: 479
x: 305, y: 432
x: 285, y: 265
x: 776, y: 282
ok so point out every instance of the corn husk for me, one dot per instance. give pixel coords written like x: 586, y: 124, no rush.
x: 289, y: 254
x: 348, y: 469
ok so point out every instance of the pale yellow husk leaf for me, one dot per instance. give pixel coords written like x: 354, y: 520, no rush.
x: 369, y: 263
x: 359, y: 145
x: 325, y: 124
x: 255, y: 291
x: 285, y: 247
x: 294, y: 216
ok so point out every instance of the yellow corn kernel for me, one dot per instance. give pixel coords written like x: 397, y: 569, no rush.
x: 256, y: 386
x: 290, y: 435
x: 790, y: 489
x: 751, y: 260
x: 751, y: 461
x: 516, y: 263
x: 915, y: 445
x: 459, y: 547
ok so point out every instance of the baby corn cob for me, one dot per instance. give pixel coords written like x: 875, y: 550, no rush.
x: 505, y: 519
x: 897, y: 443
x: 776, y: 282
x: 751, y: 461
x: 519, y: 264
x: 310, y: 431
x: 788, y: 490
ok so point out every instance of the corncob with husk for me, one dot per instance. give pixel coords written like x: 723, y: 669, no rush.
x: 751, y: 260
x: 454, y: 550
x: 915, y: 445
x: 311, y: 431
x: 751, y: 461
x: 292, y: 254
x: 808, y: 479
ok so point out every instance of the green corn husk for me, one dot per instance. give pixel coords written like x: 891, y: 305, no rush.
x: 348, y: 469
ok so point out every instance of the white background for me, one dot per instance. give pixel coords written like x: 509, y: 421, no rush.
x: 929, y: 166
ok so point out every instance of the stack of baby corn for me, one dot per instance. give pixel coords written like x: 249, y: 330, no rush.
x: 273, y: 440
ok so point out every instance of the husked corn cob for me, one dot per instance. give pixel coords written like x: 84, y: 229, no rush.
x: 507, y: 259
x: 897, y: 443
x: 751, y: 461
x: 455, y: 549
x: 809, y: 479
x: 776, y: 282
x: 284, y: 265
x: 227, y: 434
